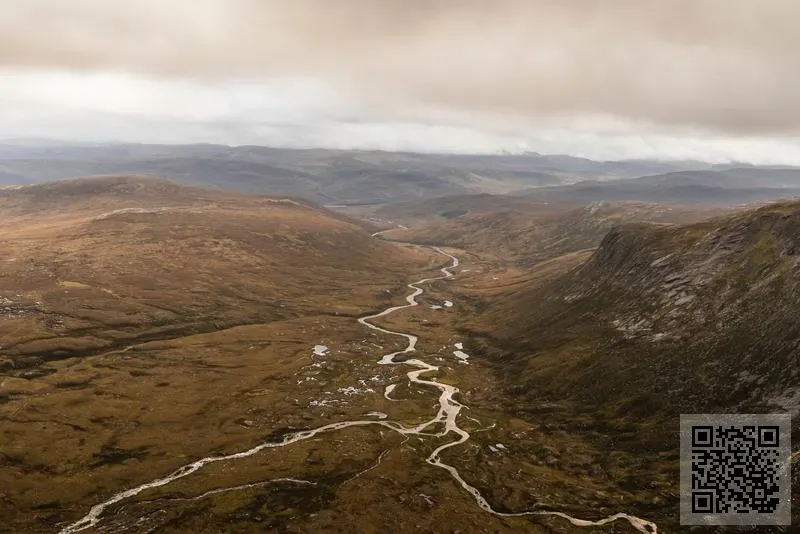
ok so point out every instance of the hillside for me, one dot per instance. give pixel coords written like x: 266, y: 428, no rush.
x: 142, y: 258
x: 659, y: 321
x: 663, y: 308
x: 447, y: 208
x: 524, y: 231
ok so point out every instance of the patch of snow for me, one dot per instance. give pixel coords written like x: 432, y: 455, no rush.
x: 594, y: 206
x: 307, y: 379
x: 350, y: 390
x: 448, y: 304
x: 323, y: 403
x: 320, y: 350
x: 163, y: 209
x: 460, y: 346
x: 435, y: 307
x: 379, y: 415
x: 631, y: 328
x: 500, y: 446
x: 282, y: 201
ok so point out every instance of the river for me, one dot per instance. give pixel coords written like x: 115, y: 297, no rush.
x: 448, y: 412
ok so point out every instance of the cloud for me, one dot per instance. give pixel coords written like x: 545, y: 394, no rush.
x: 102, y: 107
x: 714, y: 80
x: 710, y: 65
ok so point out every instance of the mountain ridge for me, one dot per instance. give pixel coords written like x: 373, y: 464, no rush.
x: 665, y: 296
x: 734, y: 186
x: 321, y: 175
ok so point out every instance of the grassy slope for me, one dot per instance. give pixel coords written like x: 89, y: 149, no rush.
x: 665, y: 309
x: 96, y: 263
x: 661, y: 320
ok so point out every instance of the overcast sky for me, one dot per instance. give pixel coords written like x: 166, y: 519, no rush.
x: 706, y: 79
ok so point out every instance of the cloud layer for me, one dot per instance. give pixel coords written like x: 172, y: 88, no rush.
x: 713, y: 64
x: 707, y: 79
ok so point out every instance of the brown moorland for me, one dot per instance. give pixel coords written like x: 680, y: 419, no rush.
x: 146, y: 325
x: 142, y: 321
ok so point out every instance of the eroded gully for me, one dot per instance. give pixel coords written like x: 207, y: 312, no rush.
x: 447, y: 415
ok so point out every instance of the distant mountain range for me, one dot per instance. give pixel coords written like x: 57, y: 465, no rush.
x: 364, y: 177
x: 715, y: 187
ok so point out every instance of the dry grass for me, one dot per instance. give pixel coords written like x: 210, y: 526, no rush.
x: 140, y: 338
x: 134, y: 337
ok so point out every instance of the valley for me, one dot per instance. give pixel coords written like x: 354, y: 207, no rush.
x: 375, y: 177
x: 448, y: 413
x: 233, y: 378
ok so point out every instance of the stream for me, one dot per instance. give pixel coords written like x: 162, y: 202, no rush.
x: 447, y: 415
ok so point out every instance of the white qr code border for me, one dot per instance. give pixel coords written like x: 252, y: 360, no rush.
x: 703, y: 488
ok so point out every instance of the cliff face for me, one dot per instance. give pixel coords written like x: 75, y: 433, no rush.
x: 665, y: 320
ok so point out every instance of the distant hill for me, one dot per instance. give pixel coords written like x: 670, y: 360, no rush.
x: 322, y: 176
x: 452, y: 207
x: 712, y: 187
x: 525, y: 230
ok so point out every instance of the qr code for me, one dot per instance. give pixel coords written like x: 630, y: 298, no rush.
x: 735, y: 469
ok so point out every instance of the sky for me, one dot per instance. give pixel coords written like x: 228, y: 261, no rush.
x: 714, y: 80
